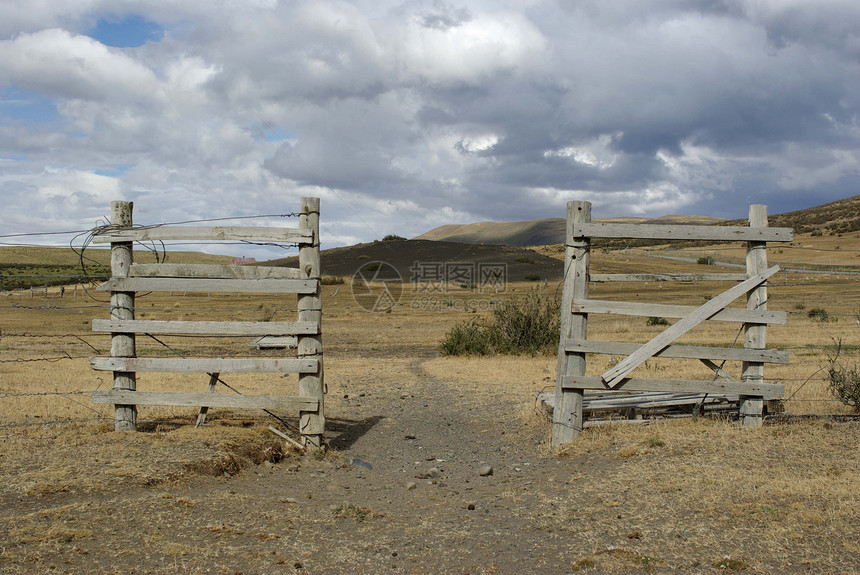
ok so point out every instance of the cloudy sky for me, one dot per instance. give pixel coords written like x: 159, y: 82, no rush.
x: 403, y: 116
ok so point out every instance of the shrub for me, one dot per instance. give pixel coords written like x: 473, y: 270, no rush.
x: 524, y: 260
x: 819, y: 313
x: 468, y: 338
x: 533, y: 277
x: 392, y: 238
x: 657, y: 321
x: 528, y: 325
x: 705, y: 260
x: 332, y: 280
x: 844, y: 381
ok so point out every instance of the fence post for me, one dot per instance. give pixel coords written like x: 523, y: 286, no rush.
x: 121, y: 308
x: 567, y: 413
x: 311, y: 423
x: 755, y: 334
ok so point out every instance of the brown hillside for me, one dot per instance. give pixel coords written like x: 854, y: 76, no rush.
x: 837, y: 217
x: 402, y: 255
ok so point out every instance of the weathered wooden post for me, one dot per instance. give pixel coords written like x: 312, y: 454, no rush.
x: 122, y: 308
x: 755, y: 334
x: 567, y: 414
x: 311, y: 423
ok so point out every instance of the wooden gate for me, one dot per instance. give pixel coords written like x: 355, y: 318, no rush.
x: 574, y: 344
x: 128, y: 278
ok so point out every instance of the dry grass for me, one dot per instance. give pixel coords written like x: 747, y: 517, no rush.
x: 703, y: 496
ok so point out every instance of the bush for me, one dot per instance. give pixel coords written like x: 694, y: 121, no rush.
x: 705, y: 260
x: 332, y: 280
x: 533, y: 277
x: 468, y: 338
x: 819, y: 313
x: 392, y: 238
x: 524, y: 260
x: 657, y: 321
x: 528, y: 325
x: 844, y: 381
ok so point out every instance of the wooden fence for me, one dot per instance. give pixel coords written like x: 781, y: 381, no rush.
x: 574, y: 344
x: 129, y: 278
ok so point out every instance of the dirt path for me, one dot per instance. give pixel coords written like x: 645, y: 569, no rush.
x: 402, y: 492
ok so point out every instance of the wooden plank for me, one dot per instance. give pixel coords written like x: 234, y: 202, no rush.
x: 275, y: 342
x: 212, y: 271
x: 680, y: 351
x: 600, y: 278
x: 206, y: 233
x: 614, y: 375
x: 595, y: 230
x: 193, y: 285
x: 567, y: 419
x: 216, y: 328
x: 751, y: 408
x: 209, y: 365
x: 309, y: 304
x: 278, y: 402
x: 122, y: 308
x: 204, y: 409
x: 718, y: 371
x: 767, y: 390
x: 675, y: 311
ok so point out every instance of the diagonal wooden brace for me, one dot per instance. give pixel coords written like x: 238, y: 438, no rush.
x: 614, y: 376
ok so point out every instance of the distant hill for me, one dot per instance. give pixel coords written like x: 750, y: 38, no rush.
x: 839, y: 217
x: 402, y: 255
x: 537, y: 232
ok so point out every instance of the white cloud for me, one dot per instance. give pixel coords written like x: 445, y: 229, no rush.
x: 407, y: 115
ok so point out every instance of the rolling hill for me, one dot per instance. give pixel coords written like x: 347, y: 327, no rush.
x: 536, y: 232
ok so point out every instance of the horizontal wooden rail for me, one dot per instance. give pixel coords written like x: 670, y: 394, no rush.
x: 680, y: 351
x: 616, y: 373
x: 192, y: 285
x: 599, y: 278
x: 676, y: 311
x: 206, y: 233
x: 680, y: 232
x: 766, y: 390
x: 209, y: 365
x: 285, y: 403
x: 216, y: 328
x: 213, y: 271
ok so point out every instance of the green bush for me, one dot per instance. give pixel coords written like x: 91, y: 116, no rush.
x: 528, y: 325
x: 819, y: 313
x: 844, y: 381
x: 705, y: 260
x: 392, y: 238
x: 657, y: 321
x: 468, y: 338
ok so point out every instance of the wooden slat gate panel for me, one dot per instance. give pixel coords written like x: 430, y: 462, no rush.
x: 572, y: 380
x: 128, y: 278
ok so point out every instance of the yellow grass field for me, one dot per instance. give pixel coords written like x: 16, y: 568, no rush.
x: 697, y: 496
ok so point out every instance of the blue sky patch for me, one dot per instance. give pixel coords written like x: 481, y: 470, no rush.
x: 17, y: 104
x: 126, y: 32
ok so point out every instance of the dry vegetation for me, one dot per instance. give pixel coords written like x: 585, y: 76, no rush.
x: 697, y: 496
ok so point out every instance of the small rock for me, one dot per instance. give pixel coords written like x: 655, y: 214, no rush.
x: 289, y: 500
x: 411, y: 485
x: 470, y: 506
x: 485, y: 470
x: 356, y: 462
x: 410, y: 437
x: 433, y: 472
